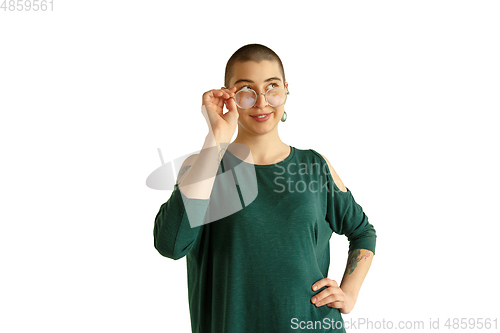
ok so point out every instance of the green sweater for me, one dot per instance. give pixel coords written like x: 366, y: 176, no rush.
x: 251, y: 270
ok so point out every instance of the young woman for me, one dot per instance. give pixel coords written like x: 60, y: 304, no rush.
x: 254, y: 217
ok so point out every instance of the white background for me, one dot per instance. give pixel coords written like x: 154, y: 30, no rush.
x: 407, y: 117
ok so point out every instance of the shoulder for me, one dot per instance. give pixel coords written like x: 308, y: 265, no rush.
x: 334, y: 174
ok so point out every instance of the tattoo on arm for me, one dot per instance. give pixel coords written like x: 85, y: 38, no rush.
x: 182, y: 171
x: 355, y: 256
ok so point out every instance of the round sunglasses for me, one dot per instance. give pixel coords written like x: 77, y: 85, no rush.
x: 246, y: 97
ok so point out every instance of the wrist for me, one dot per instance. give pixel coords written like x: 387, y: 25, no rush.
x: 219, y: 141
x: 212, y: 142
x: 219, y: 138
x: 351, y: 295
x: 350, y: 301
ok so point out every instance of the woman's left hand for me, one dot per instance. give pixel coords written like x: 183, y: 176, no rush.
x: 332, y: 296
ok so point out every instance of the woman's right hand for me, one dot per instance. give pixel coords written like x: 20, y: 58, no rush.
x: 221, y: 125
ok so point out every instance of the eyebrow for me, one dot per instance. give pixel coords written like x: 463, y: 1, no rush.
x: 246, y: 80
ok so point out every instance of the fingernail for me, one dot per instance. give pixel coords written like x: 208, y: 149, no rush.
x: 315, y: 287
x: 314, y: 299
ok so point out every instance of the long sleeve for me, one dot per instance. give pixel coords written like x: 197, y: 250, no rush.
x: 346, y: 217
x: 178, y: 224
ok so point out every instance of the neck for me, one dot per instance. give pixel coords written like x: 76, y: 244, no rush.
x: 265, y: 148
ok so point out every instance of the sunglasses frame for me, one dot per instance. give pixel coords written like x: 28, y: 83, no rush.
x: 257, y: 96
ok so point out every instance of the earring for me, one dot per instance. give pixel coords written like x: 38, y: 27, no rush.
x: 283, y: 117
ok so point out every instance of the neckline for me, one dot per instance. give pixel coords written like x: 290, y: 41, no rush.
x: 266, y: 166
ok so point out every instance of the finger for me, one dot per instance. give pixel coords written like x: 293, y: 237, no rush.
x: 336, y: 305
x: 232, y: 115
x: 233, y: 88
x: 221, y: 94
x: 324, y: 294
x: 324, y: 282
x: 231, y: 104
x: 218, y: 92
x: 335, y: 300
x: 228, y: 92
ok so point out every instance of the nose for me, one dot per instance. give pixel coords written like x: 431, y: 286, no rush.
x: 261, y: 101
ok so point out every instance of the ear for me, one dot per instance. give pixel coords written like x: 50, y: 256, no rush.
x: 286, y: 85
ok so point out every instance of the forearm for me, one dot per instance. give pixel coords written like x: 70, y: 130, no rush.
x: 174, y: 232
x: 199, y: 178
x: 358, y: 264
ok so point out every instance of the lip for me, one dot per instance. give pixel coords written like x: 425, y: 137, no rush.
x: 268, y: 115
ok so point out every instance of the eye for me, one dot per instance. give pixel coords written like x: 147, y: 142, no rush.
x: 245, y: 88
x: 273, y: 85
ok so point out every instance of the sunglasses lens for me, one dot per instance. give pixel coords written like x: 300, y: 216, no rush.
x: 245, y: 99
x: 276, y: 97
